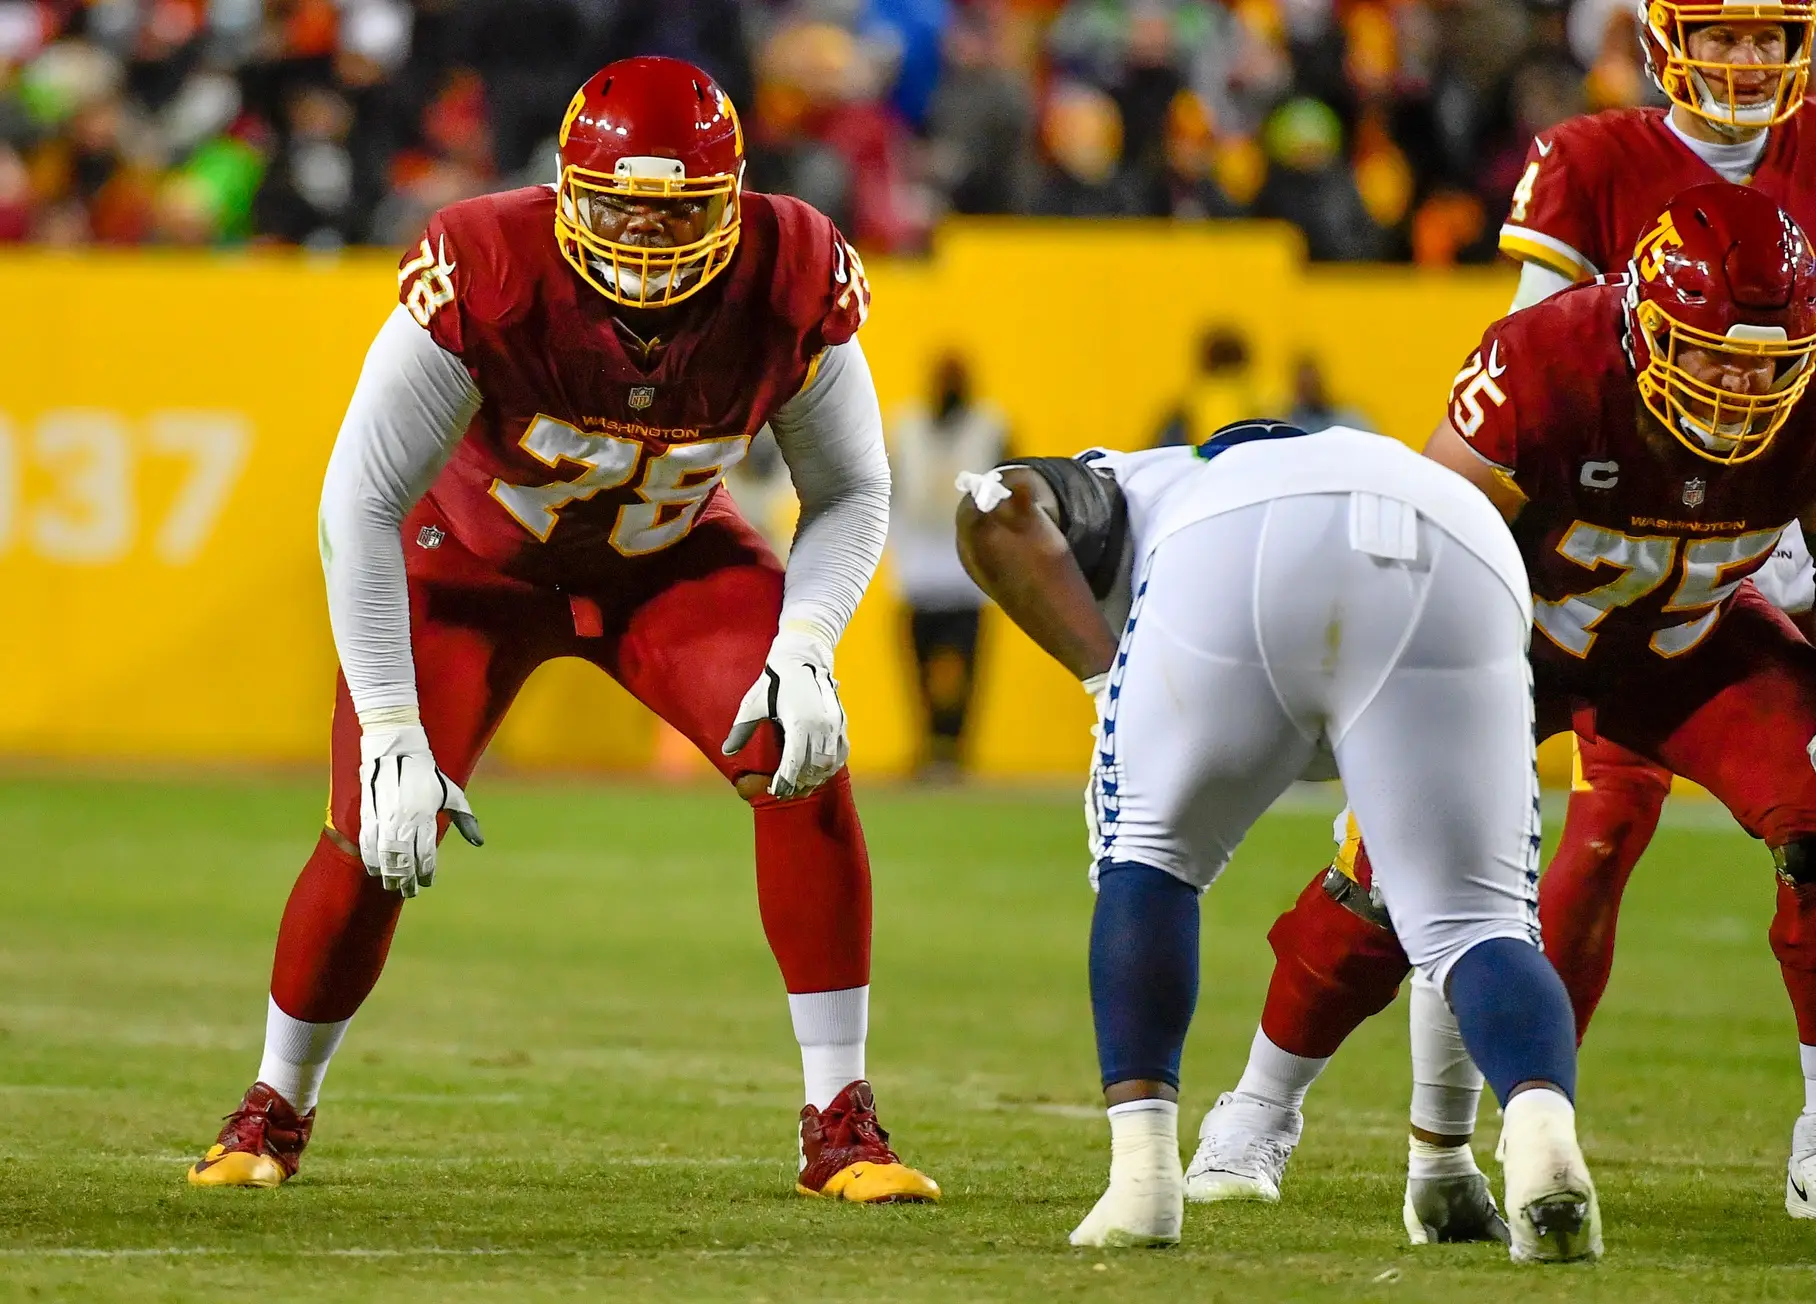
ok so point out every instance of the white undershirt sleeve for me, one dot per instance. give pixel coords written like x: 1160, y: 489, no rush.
x: 410, y: 408
x: 831, y: 437
x: 1537, y: 282
x: 1786, y: 579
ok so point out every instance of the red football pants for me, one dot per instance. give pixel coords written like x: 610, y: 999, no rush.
x: 1613, y: 812
x: 686, y: 630
x: 1737, y: 715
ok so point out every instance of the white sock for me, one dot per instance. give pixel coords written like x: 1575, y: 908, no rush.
x: 1278, y: 1076
x: 1138, y: 1128
x: 1446, y: 1085
x: 1541, y: 1099
x: 1808, y: 1055
x: 831, y: 1027
x: 1424, y: 1160
x: 297, y: 1055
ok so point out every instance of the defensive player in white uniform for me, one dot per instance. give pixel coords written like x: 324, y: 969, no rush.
x: 1297, y: 602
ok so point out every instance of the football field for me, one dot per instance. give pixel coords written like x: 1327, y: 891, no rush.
x: 577, y: 1078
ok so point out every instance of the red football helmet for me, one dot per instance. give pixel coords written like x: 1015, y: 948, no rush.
x: 1723, y: 277
x: 1707, y: 88
x: 652, y: 167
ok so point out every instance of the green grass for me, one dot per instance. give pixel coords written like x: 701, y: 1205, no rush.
x: 577, y: 1079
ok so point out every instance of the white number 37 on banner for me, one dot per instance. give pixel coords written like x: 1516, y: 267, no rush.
x: 73, y: 483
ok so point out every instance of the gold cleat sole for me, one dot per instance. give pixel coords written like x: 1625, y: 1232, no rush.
x: 866, y: 1183
x: 218, y: 1168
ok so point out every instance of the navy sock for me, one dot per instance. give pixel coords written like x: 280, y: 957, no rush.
x: 1515, y: 1016
x: 1144, y: 971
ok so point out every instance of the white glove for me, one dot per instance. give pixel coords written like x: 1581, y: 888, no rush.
x: 798, y: 692
x: 401, y: 790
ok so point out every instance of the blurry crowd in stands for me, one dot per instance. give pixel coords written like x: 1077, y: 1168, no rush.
x: 1385, y: 129
x: 1224, y: 388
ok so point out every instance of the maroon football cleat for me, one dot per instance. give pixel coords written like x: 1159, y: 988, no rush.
x: 848, y: 1157
x: 261, y: 1145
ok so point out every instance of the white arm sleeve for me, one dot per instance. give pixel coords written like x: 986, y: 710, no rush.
x: 831, y: 436
x: 1537, y: 282
x: 409, y: 410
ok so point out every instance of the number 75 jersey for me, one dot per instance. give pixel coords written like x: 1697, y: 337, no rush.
x: 581, y: 454
x: 1634, y: 545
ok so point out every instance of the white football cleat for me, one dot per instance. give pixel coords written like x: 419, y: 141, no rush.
x: 1141, y: 1210
x: 1552, y: 1212
x: 1800, y: 1180
x: 1145, y: 1202
x: 1452, y: 1210
x: 1243, y: 1145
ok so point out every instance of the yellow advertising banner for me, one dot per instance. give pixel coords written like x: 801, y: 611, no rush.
x: 165, y: 420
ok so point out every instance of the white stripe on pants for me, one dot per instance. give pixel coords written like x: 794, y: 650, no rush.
x: 1263, y: 634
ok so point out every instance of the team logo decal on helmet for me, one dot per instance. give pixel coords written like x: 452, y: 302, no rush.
x: 649, y: 137
x: 1712, y: 90
x: 1721, y: 312
x: 574, y: 107
x: 1653, y: 247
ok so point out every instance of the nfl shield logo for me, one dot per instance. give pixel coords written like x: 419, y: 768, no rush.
x: 430, y: 536
x: 642, y: 396
x: 1693, y: 493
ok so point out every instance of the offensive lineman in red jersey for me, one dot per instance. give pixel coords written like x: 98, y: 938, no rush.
x: 1631, y: 432
x: 1736, y: 76
x: 530, y: 468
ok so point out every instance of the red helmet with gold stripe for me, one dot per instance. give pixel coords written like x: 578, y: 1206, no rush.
x: 1722, y: 319
x: 652, y: 168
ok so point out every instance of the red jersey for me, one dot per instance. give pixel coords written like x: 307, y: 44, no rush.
x: 1633, y: 544
x: 1594, y: 184
x: 581, y: 451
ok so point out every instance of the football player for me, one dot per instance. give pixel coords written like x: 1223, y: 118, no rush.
x: 530, y: 468
x: 1735, y: 74
x: 1645, y: 437
x: 1367, y: 610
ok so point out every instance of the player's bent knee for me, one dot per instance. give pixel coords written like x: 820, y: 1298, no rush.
x: 752, y: 787
x: 333, y: 840
x: 1641, y: 786
x: 1436, y: 952
x: 1336, y: 947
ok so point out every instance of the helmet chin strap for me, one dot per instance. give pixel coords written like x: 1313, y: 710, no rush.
x: 634, y: 285
x: 1721, y: 438
x: 630, y: 284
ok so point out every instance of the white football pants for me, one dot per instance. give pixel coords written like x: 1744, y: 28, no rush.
x: 1267, y: 635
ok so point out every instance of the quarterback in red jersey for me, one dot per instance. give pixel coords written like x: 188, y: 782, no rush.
x: 1735, y: 74
x: 1646, y: 440
x: 530, y: 468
